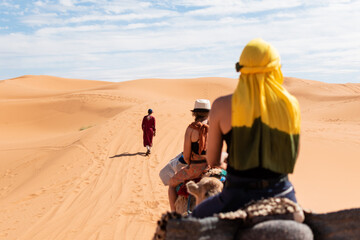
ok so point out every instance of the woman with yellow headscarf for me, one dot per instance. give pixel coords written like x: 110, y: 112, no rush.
x: 260, y: 123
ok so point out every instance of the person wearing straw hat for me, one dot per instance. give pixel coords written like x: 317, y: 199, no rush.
x: 260, y: 123
x: 194, y: 151
x: 149, y: 130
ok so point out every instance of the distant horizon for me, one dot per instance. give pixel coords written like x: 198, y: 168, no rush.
x: 33, y: 75
x: 107, y: 40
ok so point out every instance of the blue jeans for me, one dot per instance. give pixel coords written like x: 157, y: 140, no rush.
x: 231, y: 199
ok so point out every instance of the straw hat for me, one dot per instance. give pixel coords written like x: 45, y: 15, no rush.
x: 201, y: 105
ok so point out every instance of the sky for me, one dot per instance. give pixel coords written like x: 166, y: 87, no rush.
x: 125, y: 40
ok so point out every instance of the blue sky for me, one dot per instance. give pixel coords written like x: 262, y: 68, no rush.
x: 127, y: 40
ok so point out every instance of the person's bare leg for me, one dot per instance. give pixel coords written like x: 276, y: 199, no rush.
x: 172, y: 197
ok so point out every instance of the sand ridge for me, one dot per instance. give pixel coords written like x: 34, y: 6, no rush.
x: 72, y: 164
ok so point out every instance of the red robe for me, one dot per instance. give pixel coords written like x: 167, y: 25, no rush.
x: 148, y: 127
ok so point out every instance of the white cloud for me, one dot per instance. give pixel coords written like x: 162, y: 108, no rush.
x: 109, y: 39
x: 41, y: 19
x: 39, y: 3
x: 62, y: 31
x: 144, y: 25
x: 123, y: 17
x: 66, y: 3
x: 209, y: 8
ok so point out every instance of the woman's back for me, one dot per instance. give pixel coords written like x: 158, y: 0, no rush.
x: 197, y: 138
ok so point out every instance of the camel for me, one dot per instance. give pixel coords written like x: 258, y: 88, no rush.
x: 208, y: 186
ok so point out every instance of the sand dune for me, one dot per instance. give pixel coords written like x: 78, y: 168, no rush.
x: 72, y: 164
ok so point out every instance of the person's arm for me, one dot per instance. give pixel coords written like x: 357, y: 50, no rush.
x: 187, y: 145
x: 215, y: 141
x: 143, y: 124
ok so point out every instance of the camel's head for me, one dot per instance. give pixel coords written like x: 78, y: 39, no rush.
x: 207, y: 187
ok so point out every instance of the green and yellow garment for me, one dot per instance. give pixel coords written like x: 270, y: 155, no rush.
x: 265, y: 117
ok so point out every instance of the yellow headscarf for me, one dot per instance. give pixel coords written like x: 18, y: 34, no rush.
x: 265, y: 117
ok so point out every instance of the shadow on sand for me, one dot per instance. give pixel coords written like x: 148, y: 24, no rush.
x: 126, y: 154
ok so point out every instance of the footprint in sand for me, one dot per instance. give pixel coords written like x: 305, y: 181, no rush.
x: 4, y: 234
x: 163, y: 202
x: 156, y: 160
x: 36, y: 194
x: 151, y: 204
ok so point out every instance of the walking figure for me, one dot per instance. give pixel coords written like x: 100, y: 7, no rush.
x: 149, y: 130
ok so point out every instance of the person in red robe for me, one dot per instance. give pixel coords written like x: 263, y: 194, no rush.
x: 149, y: 130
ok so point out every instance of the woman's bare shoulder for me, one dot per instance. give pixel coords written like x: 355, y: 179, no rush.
x: 221, y: 113
x: 222, y: 102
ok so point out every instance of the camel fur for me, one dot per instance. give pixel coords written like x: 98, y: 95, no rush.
x: 181, y: 205
x: 206, y: 187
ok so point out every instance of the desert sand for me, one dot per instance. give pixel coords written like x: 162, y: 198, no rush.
x: 72, y: 164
